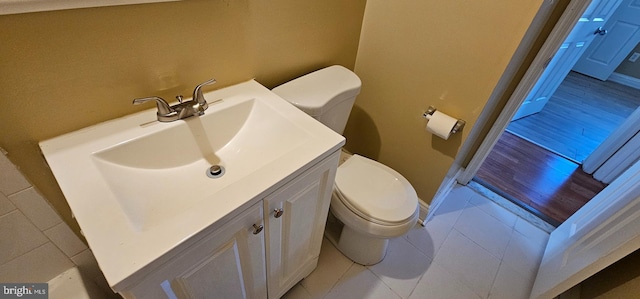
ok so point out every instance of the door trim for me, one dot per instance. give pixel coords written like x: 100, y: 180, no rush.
x: 613, y: 143
x: 558, y: 35
x: 446, y: 187
x: 625, y: 80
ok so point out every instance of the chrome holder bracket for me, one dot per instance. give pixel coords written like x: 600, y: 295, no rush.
x: 457, y: 127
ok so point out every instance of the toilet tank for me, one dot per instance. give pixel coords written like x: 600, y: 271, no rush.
x: 327, y: 95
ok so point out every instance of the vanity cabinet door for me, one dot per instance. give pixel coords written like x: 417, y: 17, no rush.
x: 295, y: 217
x: 229, y: 263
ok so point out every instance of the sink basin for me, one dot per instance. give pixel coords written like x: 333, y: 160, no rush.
x: 157, y: 176
x: 138, y: 187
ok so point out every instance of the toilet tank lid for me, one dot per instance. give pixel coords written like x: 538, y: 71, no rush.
x: 318, y: 91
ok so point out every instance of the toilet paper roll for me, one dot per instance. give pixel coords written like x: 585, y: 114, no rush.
x: 441, y: 124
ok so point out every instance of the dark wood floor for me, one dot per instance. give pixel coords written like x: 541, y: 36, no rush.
x: 579, y: 116
x: 540, y: 181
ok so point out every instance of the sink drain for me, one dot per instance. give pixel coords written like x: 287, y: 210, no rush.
x: 215, y: 171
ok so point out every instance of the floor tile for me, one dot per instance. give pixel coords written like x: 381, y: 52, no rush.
x: 19, y: 236
x: 38, y: 265
x: 62, y: 236
x: 531, y: 231
x: 449, y: 211
x: 402, y: 267
x: 88, y: 266
x: 297, y: 292
x: 470, y: 248
x: 494, y: 210
x: 5, y: 205
x: 524, y: 254
x: 475, y: 266
x: 485, y: 230
x: 332, y: 264
x: 359, y: 282
x: 430, y: 237
x: 461, y: 192
x: 71, y: 284
x: 510, y: 206
x: 509, y: 284
x: 36, y: 208
x: 439, y: 283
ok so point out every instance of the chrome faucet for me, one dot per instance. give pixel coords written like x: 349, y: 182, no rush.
x: 195, y: 107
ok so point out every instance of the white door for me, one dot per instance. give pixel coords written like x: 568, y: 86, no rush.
x: 620, y: 161
x: 611, y: 147
x: 570, y: 51
x: 605, y: 230
x: 606, y: 52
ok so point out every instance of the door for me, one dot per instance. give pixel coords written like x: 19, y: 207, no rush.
x: 628, y: 154
x: 610, y: 147
x: 606, y: 52
x: 605, y: 230
x: 295, y: 217
x: 567, y: 55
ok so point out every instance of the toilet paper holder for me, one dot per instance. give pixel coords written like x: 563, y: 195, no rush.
x: 457, y: 127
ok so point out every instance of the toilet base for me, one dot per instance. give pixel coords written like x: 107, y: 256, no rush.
x: 360, y: 248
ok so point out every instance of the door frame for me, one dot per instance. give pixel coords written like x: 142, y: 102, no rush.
x: 628, y: 182
x: 458, y: 172
x: 558, y: 35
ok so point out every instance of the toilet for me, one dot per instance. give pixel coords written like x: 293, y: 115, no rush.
x: 371, y: 202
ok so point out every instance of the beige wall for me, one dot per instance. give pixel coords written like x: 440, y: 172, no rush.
x: 619, y: 280
x: 64, y: 70
x: 630, y: 68
x: 412, y: 54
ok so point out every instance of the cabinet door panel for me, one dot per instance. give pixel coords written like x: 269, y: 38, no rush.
x: 294, y: 238
x: 228, y: 263
x: 197, y: 281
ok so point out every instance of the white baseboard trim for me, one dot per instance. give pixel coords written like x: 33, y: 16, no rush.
x: 625, y: 80
x: 424, y: 211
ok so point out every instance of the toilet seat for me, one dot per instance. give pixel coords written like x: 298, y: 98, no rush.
x: 375, y: 192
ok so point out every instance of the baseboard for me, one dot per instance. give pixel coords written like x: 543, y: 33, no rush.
x: 424, y: 211
x: 625, y: 80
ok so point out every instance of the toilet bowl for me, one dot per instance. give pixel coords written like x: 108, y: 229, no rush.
x: 371, y: 202
x: 375, y: 203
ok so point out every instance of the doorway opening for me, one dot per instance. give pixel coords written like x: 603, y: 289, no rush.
x: 536, y: 163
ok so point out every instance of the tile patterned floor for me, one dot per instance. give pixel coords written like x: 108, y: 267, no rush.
x: 472, y: 248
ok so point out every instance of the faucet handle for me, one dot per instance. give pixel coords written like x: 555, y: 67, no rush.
x: 197, y: 92
x: 163, y: 106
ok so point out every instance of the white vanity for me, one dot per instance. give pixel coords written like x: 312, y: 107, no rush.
x: 160, y: 227
x: 275, y: 240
